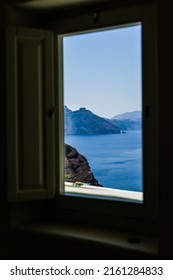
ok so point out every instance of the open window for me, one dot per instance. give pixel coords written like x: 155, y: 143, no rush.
x: 113, y: 52
x: 102, y: 82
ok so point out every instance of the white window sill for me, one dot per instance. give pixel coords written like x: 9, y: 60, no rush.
x: 85, y: 189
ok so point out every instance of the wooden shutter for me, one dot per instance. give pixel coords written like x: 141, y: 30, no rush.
x: 30, y: 130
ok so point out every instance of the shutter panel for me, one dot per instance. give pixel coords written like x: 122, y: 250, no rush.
x: 30, y: 130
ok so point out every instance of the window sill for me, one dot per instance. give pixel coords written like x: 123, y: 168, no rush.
x: 124, y: 245
x: 83, y: 189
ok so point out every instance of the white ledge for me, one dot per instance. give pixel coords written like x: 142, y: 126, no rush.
x: 102, y: 191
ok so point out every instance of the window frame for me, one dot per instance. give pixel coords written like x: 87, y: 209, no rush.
x: 115, y: 212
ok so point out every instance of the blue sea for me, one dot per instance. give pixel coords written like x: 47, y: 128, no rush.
x: 115, y: 159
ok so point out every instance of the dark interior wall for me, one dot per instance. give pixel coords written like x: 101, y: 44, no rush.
x: 165, y: 89
x: 20, y: 17
x: 10, y: 16
x: 3, y: 208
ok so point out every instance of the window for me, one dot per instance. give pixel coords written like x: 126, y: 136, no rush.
x: 35, y: 114
x: 125, y: 19
x: 102, y: 71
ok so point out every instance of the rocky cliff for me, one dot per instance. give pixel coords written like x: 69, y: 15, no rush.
x: 77, y: 168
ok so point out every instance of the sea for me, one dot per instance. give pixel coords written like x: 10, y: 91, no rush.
x: 115, y: 159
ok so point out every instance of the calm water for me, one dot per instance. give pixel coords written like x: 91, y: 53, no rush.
x: 115, y: 159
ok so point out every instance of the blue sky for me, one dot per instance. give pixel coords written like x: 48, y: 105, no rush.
x: 102, y: 71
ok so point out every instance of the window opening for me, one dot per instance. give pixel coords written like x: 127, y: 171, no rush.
x: 102, y: 83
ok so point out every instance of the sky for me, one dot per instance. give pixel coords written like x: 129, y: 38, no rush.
x: 103, y: 71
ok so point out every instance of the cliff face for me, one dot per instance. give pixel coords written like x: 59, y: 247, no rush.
x: 77, y: 168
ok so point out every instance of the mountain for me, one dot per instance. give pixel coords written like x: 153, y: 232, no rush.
x: 128, y: 120
x: 67, y: 110
x: 77, y: 168
x: 135, y: 115
x: 84, y: 122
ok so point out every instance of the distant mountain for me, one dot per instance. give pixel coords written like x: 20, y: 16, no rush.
x: 67, y: 110
x: 135, y: 115
x: 84, y: 122
x: 128, y: 120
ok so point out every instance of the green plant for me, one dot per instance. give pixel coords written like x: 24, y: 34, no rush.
x: 67, y: 177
